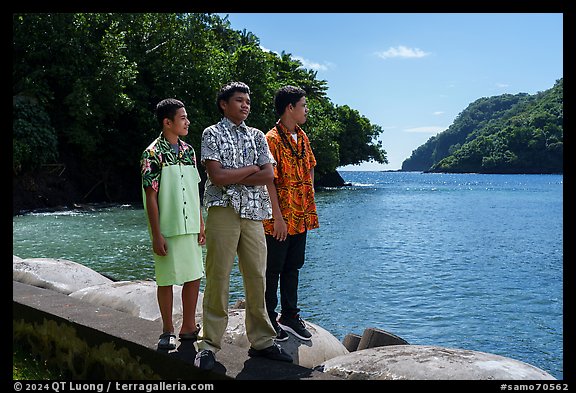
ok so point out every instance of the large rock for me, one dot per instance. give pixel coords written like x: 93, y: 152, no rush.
x: 59, y: 275
x: 137, y: 298
x: 419, y: 362
x: 322, y: 346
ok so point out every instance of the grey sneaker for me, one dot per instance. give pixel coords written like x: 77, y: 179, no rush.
x: 296, y: 326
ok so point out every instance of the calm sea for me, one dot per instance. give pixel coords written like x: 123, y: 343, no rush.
x: 464, y: 261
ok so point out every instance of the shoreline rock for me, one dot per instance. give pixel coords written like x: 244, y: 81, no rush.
x: 393, y: 359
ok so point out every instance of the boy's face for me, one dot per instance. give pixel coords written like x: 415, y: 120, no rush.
x: 299, y: 111
x: 178, y: 126
x: 237, y: 108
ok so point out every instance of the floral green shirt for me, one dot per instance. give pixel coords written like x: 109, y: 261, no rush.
x: 175, y: 177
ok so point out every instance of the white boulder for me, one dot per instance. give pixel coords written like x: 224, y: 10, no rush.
x: 321, y: 347
x: 420, y: 362
x: 59, y: 275
x: 137, y: 298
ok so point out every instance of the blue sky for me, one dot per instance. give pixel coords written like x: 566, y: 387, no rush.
x: 413, y: 73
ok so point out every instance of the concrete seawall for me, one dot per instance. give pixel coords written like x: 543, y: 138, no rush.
x: 92, y: 325
x: 98, y: 326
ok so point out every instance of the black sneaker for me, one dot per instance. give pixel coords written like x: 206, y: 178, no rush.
x: 205, y: 359
x: 295, y: 326
x: 281, y: 334
x: 273, y: 352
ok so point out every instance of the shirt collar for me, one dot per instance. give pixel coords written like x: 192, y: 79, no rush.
x: 231, y: 126
x: 282, y: 128
x: 165, y: 143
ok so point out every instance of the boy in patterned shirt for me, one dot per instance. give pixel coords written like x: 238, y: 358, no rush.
x: 239, y: 166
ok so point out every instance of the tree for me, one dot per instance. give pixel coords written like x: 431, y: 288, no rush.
x: 94, y: 80
x: 359, y: 137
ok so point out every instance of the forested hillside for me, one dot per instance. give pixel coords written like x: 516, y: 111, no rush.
x: 85, y: 86
x: 502, y: 134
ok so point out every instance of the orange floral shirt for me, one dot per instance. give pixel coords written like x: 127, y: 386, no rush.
x: 293, y: 181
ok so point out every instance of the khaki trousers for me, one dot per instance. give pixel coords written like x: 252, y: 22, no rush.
x: 228, y: 235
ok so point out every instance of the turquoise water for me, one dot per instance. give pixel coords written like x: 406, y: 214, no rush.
x: 457, y: 260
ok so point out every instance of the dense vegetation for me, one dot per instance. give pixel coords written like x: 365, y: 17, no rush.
x: 85, y: 86
x: 503, y: 134
x: 26, y: 366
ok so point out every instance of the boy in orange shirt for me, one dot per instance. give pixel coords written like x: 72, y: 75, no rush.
x: 293, y: 211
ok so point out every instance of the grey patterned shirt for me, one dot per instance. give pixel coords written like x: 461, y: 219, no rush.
x: 235, y: 147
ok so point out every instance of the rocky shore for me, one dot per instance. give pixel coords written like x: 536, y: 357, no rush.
x: 392, y: 359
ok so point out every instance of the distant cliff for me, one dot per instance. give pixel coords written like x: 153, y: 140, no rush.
x: 502, y: 134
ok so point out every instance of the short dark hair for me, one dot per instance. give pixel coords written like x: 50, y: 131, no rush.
x: 228, y: 90
x: 287, y: 95
x: 167, y: 108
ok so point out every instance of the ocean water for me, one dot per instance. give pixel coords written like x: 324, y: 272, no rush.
x: 466, y: 261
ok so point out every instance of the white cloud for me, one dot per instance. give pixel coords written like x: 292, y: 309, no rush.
x: 502, y: 85
x: 426, y: 129
x: 309, y: 64
x: 402, y: 51
x: 438, y: 113
x: 268, y: 50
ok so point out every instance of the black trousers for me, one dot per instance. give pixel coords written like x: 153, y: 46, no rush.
x: 284, y: 261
